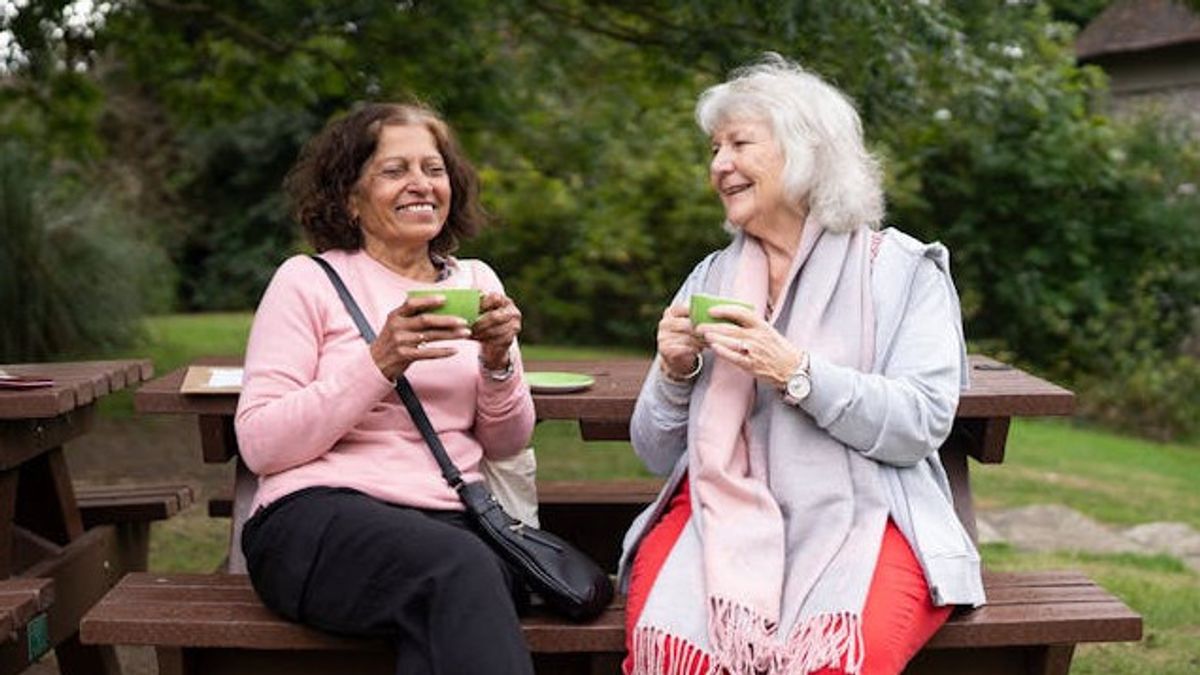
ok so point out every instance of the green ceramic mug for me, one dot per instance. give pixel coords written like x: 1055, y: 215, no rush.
x: 702, y: 304
x: 463, y: 302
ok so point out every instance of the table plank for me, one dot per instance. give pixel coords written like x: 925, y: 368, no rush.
x: 997, y: 390
x: 75, y: 384
x: 21, y: 600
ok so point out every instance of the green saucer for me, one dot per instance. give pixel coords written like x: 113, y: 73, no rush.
x: 551, y: 382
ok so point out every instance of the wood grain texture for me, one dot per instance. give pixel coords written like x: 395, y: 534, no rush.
x: 103, y: 505
x: 20, y: 601
x: 181, y: 610
x: 75, y: 384
x: 997, y: 390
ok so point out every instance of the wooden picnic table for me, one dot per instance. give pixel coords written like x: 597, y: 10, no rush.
x: 210, y: 624
x: 42, y: 532
x: 998, y: 393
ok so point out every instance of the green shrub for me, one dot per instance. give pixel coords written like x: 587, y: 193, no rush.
x: 75, y: 274
x: 1151, y: 395
x: 231, y: 187
x: 1074, y: 236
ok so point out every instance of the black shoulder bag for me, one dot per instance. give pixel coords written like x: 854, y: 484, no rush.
x: 568, y: 581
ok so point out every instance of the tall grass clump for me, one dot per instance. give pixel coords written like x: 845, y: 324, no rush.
x: 75, y: 271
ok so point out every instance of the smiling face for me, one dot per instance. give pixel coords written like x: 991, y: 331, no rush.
x: 747, y: 172
x: 402, y: 197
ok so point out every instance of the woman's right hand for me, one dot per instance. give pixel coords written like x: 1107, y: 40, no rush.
x: 678, y: 345
x: 410, y: 334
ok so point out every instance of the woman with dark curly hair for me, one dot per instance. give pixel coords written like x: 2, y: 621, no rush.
x: 354, y: 530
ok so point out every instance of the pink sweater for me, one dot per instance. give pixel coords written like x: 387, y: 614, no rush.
x: 315, y: 410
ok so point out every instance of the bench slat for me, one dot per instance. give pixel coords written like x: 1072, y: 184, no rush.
x: 132, y: 490
x: 112, y: 504
x: 1021, y: 595
x: 236, y: 625
x: 199, y: 610
x: 993, y: 580
x: 1041, y: 623
x: 20, y: 601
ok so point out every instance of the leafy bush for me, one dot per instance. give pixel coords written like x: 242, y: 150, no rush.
x: 595, y: 237
x: 231, y: 187
x: 1074, y: 236
x: 75, y: 273
x: 1150, y: 396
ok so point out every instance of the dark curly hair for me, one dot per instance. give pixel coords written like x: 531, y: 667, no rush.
x: 319, y: 185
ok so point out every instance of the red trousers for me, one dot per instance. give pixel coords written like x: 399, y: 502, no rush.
x: 898, y: 619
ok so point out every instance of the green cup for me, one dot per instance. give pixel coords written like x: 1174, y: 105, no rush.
x: 463, y: 302
x: 702, y: 304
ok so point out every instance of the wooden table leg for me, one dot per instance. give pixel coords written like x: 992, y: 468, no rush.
x: 46, y: 502
x: 1053, y: 660
x: 170, y: 660
x: 74, y: 657
x: 90, y: 562
x: 954, y: 460
x: 218, y: 439
x: 8, y: 515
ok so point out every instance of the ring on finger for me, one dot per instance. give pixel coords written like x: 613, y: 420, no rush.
x: 743, y: 347
x: 420, y: 340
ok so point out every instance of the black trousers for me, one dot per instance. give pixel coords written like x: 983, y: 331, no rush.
x: 344, y: 562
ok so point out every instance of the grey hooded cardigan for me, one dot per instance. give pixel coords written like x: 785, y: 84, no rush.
x: 897, y: 415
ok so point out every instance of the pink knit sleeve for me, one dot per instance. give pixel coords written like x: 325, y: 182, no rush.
x: 293, y: 408
x: 504, y: 415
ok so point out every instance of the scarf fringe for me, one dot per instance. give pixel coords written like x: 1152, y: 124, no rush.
x: 743, y: 640
x: 744, y: 644
x: 823, y: 641
x: 657, y: 653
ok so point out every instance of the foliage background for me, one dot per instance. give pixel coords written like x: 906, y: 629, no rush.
x: 1075, y: 236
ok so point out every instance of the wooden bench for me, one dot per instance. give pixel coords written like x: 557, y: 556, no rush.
x: 215, y: 624
x: 131, y: 508
x: 595, y: 513
x: 24, y: 631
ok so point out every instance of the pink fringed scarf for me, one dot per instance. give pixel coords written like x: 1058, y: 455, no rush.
x: 786, y: 520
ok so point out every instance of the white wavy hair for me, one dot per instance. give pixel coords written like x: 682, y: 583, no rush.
x: 806, y: 114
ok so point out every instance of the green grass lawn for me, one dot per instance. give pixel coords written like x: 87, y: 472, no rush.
x: 1114, y: 479
x: 1160, y: 588
x: 1121, y: 481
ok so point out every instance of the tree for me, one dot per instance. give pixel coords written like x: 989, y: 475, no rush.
x: 579, y: 117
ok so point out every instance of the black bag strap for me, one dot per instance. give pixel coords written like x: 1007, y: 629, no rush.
x: 415, y: 410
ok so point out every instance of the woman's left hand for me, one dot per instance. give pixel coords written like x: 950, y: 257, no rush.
x: 750, y: 343
x: 496, y: 329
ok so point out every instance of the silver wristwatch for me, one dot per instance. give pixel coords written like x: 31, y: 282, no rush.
x: 499, y: 375
x: 799, y: 384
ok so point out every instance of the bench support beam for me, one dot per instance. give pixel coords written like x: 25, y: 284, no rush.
x: 1014, y: 660
x: 185, y: 661
x: 83, y: 571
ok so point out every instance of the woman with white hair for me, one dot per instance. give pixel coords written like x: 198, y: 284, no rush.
x: 806, y: 525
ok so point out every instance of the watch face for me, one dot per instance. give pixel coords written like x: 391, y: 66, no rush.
x: 798, y: 387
